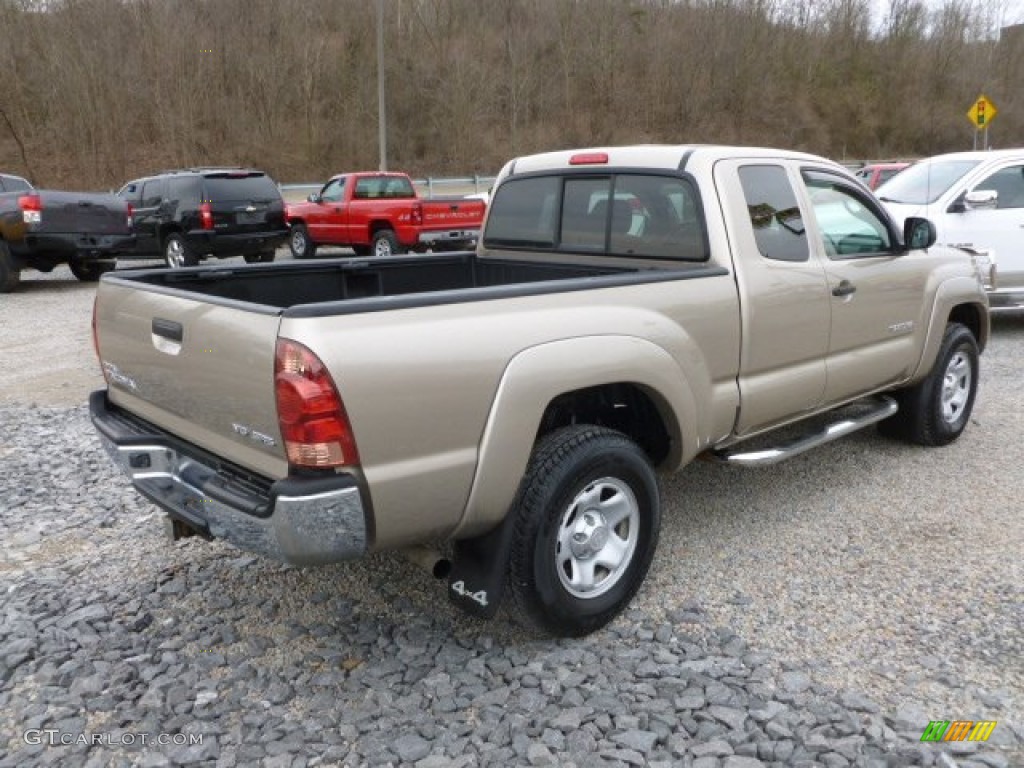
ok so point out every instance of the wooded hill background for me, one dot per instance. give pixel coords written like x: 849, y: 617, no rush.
x: 93, y: 92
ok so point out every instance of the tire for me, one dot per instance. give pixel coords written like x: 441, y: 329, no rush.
x: 10, y: 272
x: 936, y: 410
x: 300, y: 244
x: 177, y: 254
x: 264, y: 257
x: 573, y: 568
x: 90, y: 271
x: 385, y: 244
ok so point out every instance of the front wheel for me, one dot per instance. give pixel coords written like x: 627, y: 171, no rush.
x: 300, y: 244
x: 90, y: 271
x: 385, y: 243
x: 586, y: 523
x: 936, y: 410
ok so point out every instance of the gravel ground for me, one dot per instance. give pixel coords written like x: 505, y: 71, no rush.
x: 819, y: 613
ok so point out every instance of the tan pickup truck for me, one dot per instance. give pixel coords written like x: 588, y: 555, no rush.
x: 627, y: 310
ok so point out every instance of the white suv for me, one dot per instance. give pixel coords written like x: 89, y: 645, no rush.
x: 975, y: 200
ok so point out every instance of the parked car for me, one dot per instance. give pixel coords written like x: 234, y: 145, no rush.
x: 874, y: 174
x: 380, y: 213
x: 187, y: 215
x: 40, y: 229
x: 627, y: 310
x: 976, y: 201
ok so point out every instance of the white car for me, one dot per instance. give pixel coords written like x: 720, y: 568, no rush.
x: 976, y: 201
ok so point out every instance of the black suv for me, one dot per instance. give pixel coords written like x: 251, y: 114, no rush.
x: 184, y: 216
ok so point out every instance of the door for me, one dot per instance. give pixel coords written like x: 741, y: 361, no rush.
x: 783, y: 298
x: 148, y: 216
x: 875, y: 288
x: 328, y: 220
x: 999, y: 227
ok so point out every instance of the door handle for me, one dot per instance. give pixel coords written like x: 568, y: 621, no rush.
x: 845, y: 288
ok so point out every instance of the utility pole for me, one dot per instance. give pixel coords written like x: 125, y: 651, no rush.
x: 382, y: 125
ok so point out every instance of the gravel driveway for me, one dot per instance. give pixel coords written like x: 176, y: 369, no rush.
x: 818, y: 613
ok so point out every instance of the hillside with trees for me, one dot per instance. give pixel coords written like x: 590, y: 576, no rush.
x: 97, y: 91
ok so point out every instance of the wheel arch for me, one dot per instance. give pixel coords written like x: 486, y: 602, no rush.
x: 552, y: 385
x: 958, y: 300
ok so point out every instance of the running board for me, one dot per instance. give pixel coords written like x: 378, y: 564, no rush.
x: 877, y: 409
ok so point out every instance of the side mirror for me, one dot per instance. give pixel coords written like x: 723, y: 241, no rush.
x: 981, y: 199
x: 918, y: 233
x: 314, y: 198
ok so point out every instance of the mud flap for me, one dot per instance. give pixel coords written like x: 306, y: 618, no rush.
x: 479, y: 570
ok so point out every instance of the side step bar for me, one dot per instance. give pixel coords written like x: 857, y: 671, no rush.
x: 877, y: 409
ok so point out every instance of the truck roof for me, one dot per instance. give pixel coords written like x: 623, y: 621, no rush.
x: 664, y: 156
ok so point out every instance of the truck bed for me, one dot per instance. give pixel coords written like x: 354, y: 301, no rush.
x: 359, y: 285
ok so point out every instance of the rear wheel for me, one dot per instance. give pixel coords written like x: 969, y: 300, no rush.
x: 177, y: 254
x: 936, y: 410
x: 385, y: 243
x: 300, y: 244
x: 10, y: 272
x: 90, y: 271
x: 586, y: 526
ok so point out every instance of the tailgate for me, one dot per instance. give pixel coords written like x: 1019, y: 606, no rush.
x: 244, y: 202
x: 71, y: 212
x: 453, y: 214
x: 202, y: 371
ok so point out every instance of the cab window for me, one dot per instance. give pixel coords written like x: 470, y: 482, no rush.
x: 1008, y: 183
x: 333, y: 191
x: 849, y: 225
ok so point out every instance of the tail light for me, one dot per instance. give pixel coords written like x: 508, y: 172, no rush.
x: 31, y: 208
x: 205, y: 216
x: 416, y: 217
x: 131, y: 215
x: 312, y: 418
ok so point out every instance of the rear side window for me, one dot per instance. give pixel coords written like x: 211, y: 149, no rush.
x: 774, y: 214
x: 639, y: 215
x: 14, y: 184
x: 184, y: 191
x: 153, y: 193
x: 249, y: 187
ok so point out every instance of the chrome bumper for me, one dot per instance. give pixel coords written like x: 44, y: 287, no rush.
x: 450, y: 236
x: 303, y: 521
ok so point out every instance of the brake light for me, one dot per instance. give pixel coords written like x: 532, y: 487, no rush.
x: 416, y: 217
x: 131, y: 215
x: 312, y: 418
x: 31, y: 208
x: 205, y: 216
x: 589, y: 158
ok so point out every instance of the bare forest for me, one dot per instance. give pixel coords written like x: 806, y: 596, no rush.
x: 96, y: 91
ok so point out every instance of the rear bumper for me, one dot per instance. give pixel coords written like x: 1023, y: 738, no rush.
x: 302, y: 521
x: 74, y: 245
x: 217, y: 244
x: 450, y: 237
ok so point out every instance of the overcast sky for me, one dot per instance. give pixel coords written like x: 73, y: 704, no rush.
x: 1012, y: 10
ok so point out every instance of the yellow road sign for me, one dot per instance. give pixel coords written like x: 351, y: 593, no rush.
x: 981, y: 112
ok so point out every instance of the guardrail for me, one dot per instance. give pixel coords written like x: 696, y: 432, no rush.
x: 427, y: 187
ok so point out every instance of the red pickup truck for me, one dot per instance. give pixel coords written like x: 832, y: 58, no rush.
x: 380, y: 213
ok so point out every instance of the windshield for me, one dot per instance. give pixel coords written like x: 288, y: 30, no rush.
x: 924, y: 182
